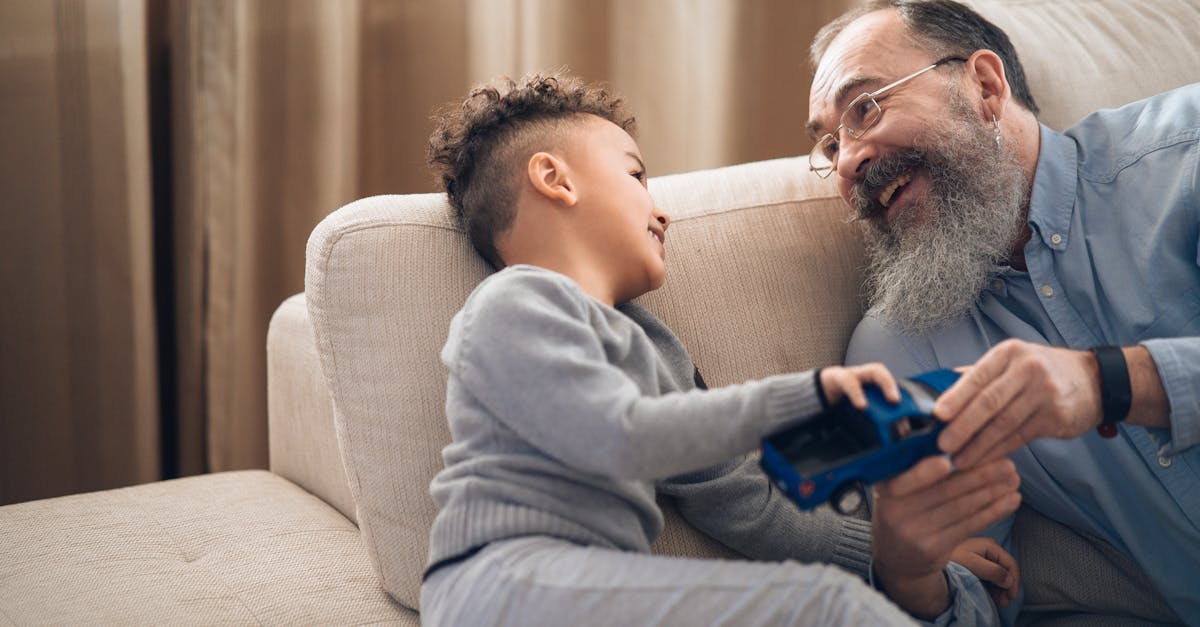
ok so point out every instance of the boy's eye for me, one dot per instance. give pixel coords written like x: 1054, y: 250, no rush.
x: 640, y: 175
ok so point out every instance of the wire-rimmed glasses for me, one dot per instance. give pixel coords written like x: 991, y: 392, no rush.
x: 857, y: 118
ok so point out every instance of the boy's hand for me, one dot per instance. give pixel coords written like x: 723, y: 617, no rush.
x: 838, y: 381
x: 992, y: 565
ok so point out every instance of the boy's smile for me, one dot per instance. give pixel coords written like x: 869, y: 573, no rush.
x: 615, y: 211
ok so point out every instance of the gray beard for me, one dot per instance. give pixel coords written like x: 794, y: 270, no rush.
x: 927, y: 267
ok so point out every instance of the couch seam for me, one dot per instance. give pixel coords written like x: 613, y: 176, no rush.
x: 740, y: 208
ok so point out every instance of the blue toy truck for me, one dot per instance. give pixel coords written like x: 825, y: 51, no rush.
x: 835, y: 454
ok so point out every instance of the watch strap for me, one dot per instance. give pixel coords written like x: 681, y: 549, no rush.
x: 1116, y: 395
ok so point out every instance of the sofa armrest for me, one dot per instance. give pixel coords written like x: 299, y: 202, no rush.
x: 303, y: 441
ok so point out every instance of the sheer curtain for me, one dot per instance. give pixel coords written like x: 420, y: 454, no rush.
x: 165, y: 161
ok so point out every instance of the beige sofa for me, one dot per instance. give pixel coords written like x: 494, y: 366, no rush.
x: 763, y: 278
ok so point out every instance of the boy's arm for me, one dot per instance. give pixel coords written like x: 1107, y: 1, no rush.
x: 737, y: 505
x: 530, y: 355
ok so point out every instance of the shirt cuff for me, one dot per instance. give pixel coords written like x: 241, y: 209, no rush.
x: 1178, y: 363
x: 791, y: 400
x: 970, y: 603
x: 853, y: 551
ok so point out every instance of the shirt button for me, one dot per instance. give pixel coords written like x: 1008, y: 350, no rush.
x: 1056, y: 239
x: 997, y: 285
x: 1164, y: 461
x: 1047, y: 291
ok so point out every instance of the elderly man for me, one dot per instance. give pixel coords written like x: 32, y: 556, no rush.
x: 983, y: 225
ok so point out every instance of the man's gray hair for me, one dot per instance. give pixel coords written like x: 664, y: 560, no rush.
x: 946, y: 28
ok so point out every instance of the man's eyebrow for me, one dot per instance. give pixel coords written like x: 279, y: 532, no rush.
x: 854, y: 86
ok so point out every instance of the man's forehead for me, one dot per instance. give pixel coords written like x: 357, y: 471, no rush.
x: 869, y: 52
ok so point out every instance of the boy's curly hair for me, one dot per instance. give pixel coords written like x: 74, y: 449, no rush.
x: 478, y: 150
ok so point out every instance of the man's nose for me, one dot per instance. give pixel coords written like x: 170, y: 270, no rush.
x: 854, y: 155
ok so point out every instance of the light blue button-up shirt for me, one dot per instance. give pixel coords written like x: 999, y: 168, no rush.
x: 1114, y: 260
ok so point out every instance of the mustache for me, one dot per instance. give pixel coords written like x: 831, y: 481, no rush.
x: 880, y: 173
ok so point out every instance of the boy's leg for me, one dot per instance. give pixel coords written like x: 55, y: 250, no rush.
x: 542, y: 581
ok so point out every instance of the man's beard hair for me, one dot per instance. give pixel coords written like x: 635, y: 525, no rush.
x: 928, y: 266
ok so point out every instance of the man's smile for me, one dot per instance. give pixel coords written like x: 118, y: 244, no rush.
x: 885, y: 196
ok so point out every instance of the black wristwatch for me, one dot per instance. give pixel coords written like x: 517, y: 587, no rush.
x: 1116, y: 394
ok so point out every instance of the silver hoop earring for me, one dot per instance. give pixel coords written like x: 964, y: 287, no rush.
x: 996, y: 125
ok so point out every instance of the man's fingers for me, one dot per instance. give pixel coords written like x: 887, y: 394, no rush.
x: 952, y: 401
x: 922, y: 475
x: 1007, y: 428
x: 987, y: 402
x: 983, y: 517
x: 976, y: 490
x: 972, y: 458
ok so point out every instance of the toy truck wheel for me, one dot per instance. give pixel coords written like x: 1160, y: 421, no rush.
x: 848, y: 497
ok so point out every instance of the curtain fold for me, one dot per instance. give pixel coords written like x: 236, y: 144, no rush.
x: 272, y: 113
x: 78, y: 387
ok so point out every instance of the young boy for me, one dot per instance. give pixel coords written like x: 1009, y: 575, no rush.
x: 570, y: 407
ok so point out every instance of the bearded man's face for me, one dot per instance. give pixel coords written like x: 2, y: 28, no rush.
x: 929, y: 262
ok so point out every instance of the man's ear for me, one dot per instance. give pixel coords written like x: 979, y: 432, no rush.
x: 987, y: 71
x: 548, y: 175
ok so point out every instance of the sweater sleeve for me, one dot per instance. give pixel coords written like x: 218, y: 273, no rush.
x: 530, y: 355
x: 736, y: 504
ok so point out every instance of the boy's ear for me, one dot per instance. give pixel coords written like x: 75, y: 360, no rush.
x: 987, y: 70
x: 548, y: 175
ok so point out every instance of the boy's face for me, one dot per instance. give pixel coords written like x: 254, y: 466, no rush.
x: 621, y: 220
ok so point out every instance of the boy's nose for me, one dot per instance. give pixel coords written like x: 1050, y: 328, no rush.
x: 663, y: 218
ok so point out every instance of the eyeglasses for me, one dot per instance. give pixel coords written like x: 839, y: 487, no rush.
x: 859, y: 116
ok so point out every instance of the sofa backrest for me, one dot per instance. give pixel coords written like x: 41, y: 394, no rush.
x: 763, y: 272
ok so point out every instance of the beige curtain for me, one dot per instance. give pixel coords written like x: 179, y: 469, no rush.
x: 272, y: 114
x: 78, y: 373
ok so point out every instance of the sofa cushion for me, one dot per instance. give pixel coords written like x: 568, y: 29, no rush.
x: 237, y: 547
x: 304, y: 446
x: 1084, y: 55
x: 386, y: 274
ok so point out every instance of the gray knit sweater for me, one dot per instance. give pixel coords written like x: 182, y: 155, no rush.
x: 568, y: 414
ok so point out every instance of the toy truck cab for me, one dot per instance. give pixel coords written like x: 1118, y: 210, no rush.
x: 833, y: 455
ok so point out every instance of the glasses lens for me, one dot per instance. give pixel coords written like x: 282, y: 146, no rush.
x: 820, y: 160
x: 862, y: 113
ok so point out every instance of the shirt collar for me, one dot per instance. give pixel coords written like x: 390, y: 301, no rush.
x: 1052, y: 199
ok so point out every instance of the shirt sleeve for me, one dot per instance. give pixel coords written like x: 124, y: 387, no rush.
x: 970, y: 604
x: 1178, y: 363
x: 529, y: 353
x: 737, y: 505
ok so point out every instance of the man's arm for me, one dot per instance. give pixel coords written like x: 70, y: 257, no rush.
x: 1020, y: 391
x: 918, y: 516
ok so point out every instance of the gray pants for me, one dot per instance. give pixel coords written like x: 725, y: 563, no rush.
x: 543, y: 581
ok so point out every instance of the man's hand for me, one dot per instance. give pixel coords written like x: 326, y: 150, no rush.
x: 921, y: 515
x: 994, y: 566
x: 1018, y: 392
